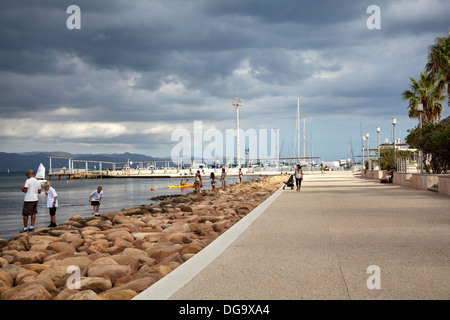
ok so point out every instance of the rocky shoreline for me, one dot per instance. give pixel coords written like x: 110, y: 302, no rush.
x: 121, y: 253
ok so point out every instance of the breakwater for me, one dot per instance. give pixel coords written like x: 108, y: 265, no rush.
x: 122, y: 253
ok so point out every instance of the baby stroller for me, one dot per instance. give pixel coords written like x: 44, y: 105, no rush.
x: 290, y: 182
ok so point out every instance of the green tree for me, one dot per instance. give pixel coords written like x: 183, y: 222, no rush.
x: 388, y: 157
x: 433, y: 139
x: 439, y: 62
x: 430, y: 93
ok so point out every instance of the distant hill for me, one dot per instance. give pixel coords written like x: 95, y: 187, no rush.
x: 16, y: 162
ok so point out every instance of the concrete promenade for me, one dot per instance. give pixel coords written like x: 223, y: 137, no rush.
x: 318, y: 244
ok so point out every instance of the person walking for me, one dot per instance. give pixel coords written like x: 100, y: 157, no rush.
x: 240, y: 175
x: 31, y: 189
x: 96, y: 200
x: 298, y: 177
x: 52, y: 202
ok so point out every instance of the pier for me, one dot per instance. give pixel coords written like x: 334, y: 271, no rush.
x: 82, y: 169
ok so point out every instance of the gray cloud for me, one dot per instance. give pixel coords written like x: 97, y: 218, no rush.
x: 142, y: 64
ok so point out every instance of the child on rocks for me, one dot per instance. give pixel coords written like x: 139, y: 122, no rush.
x: 52, y: 202
x: 96, y: 199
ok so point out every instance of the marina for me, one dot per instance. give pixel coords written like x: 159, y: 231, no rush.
x: 142, y: 169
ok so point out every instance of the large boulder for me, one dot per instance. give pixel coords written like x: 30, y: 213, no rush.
x: 160, y: 252
x: 178, y: 228
x: 95, y: 284
x: 6, y: 281
x: 83, y: 295
x: 60, y: 246
x: 32, y: 291
x: 27, y: 257
x: 137, y: 285
x: 117, y: 295
x: 140, y: 255
x: 111, y: 272
x: 3, y: 262
x: 58, y: 274
x: 123, y: 234
x: 24, y: 273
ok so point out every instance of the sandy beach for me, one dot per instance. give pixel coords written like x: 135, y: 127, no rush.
x: 121, y: 253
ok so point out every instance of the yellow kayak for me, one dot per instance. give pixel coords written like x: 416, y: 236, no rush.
x: 185, y: 186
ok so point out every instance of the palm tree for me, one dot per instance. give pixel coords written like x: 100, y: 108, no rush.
x: 428, y: 91
x: 439, y: 62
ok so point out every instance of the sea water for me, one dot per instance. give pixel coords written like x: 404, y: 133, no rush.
x: 73, y: 197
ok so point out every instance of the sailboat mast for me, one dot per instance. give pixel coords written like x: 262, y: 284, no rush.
x: 304, y: 138
x: 297, y: 131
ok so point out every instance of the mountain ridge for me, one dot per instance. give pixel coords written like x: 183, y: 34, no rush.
x: 16, y: 162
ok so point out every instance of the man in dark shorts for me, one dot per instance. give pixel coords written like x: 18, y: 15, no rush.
x: 31, y: 189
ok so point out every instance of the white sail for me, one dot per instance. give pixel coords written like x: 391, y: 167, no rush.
x: 40, y: 174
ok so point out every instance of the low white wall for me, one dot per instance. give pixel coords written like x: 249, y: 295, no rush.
x: 414, y: 180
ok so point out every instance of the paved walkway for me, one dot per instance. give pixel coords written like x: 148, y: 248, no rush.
x: 318, y: 244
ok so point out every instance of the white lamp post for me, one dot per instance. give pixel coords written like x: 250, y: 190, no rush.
x: 420, y: 109
x: 378, y: 146
x: 368, y: 150
x: 363, y: 147
x: 394, y: 122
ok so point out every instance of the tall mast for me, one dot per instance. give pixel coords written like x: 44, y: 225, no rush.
x: 304, y: 138
x: 297, y: 131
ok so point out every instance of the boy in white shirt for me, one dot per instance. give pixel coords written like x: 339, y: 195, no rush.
x: 31, y: 189
x: 52, y: 202
x: 96, y: 199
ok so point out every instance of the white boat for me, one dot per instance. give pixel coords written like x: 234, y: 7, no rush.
x: 40, y: 174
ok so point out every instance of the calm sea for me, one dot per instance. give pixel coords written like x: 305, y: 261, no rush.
x: 73, y: 197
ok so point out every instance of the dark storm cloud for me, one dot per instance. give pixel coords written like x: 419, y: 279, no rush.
x: 178, y: 61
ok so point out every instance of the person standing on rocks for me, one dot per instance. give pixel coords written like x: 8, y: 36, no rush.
x: 298, y: 177
x: 31, y: 189
x: 212, y: 176
x: 96, y: 199
x: 197, y: 182
x: 223, y: 179
x: 52, y: 202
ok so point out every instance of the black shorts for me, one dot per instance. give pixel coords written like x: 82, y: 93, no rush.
x: 298, y: 182
x: 52, y: 211
x: 29, y: 208
x: 95, y: 203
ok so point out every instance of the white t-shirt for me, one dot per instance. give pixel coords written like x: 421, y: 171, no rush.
x: 51, y: 194
x: 33, y: 186
x: 96, y: 196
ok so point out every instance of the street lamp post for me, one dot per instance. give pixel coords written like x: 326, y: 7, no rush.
x: 420, y: 109
x: 363, y: 149
x: 368, y: 150
x: 394, y: 122
x: 378, y: 147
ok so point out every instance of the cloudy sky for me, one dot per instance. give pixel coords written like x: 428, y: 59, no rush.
x: 138, y: 70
